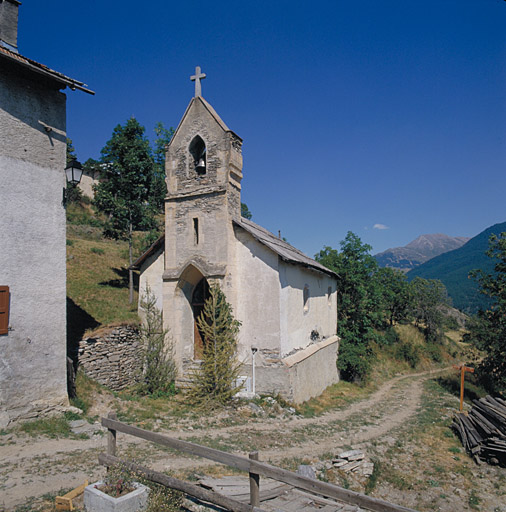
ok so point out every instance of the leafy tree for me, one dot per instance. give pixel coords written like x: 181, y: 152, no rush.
x: 488, y: 330
x: 163, y: 137
x: 429, y: 298
x: 215, y: 379
x: 396, y: 298
x: 245, y: 211
x: 71, y: 152
x: 159, y: 369
x: 358, y: 304
x: 127, y: 186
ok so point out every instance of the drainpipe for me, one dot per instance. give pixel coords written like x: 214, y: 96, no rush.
x: 253, y: 383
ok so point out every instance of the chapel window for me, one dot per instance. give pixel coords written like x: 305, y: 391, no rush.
x: 306, y: 298
x: 196, y: 230
x: 199, y: 155
x: 329, y: 295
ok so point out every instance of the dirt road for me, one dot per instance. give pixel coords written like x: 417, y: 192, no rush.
x: 35, y: 466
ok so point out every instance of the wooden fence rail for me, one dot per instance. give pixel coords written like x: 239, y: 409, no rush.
x: 252, y: 465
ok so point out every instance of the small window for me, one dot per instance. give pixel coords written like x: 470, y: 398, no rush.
x: 4, y: 309
x: 329, y: 295
x: 199, y: 155
x: 306, y: 298
x: 196, y: 231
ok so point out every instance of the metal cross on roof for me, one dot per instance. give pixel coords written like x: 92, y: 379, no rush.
x: 196, y: 78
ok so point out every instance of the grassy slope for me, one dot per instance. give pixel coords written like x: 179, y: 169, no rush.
x: 97, y: 281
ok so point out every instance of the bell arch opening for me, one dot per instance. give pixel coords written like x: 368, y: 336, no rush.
x: 198, y: 152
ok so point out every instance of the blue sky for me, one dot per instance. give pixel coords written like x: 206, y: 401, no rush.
x: 354, y: 114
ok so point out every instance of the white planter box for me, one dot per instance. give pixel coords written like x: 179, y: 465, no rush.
x: 97, y: 501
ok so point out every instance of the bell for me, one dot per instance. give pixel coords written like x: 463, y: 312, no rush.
x: 201, y: 166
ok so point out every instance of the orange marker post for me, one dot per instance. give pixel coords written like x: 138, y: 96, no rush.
x: 463, y: 369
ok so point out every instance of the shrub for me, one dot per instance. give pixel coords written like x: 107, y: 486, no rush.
x: 215, y: 380
x: 433, y: 350
x: 354, y: 360
x: 97, y: 250
x: 390, y: 337
x: 159, y: 368
x: 409, y: 353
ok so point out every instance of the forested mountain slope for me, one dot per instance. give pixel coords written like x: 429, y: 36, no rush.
x: 452, y: 268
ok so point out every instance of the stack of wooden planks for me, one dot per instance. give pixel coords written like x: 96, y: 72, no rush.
x: 483, y: 431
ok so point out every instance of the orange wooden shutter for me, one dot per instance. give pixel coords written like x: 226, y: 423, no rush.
x: 4, y: 309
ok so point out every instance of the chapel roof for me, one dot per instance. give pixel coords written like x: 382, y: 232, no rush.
x: 283, y: 249
x: 36, y: 67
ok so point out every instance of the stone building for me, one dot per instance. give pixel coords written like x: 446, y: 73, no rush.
x: 32, y: 227
x: 285, y: 300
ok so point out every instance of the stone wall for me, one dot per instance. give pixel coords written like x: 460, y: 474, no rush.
x: 112, y: 358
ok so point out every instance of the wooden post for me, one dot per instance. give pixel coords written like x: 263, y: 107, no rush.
x: 463, y: 369
x: 111, y: 436
x: 254, y: 484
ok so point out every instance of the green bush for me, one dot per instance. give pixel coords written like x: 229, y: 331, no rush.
x: 214, y: 382
x: 409, y: 353
x: 390, y: 337
x: 97, y: 250
x: 354, y: 361
x: 159, y: 368
x: 433, y: 350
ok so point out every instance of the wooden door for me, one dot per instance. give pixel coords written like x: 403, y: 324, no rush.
x: 200, y: 295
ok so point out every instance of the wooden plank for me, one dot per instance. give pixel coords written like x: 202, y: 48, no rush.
x: 234, y: 461
x: 186, y: 487
x: 65, y: 502
x: 62, y: 503
x: 261, y: 468
x: 77, y: 491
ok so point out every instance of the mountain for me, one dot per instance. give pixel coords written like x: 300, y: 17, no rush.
x: 452, y: 268
x: 419, y: 251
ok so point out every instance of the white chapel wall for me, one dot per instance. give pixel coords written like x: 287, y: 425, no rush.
x: 320, y: 314
x: 151, y: 275
x: 258, y: 295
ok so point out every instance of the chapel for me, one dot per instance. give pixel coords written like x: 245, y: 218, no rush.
x: 285, y: 301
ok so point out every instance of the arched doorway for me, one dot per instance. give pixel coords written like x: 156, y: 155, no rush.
x: 199, y: 297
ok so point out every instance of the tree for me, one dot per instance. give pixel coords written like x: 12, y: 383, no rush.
x: 488, y: 330
x: 159, y: 369
x: 163, y: 137
x: 127, y: 186
x: 358, y: 304
x: 245, y: 211
x: 216, y: 377
x: 429, y: 298
x: 396, y: 298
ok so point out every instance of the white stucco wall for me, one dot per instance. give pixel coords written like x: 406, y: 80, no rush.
x: 258, y: 295
x: 321, y: 315
x: 151, y: 275
x: 32, y: 251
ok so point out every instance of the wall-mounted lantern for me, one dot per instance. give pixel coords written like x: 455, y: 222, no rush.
x: 74, y: 171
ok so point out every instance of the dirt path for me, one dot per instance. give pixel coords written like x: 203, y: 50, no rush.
x: 35, y: 466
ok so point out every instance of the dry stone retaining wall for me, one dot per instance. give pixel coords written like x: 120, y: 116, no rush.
x: 112, y: 358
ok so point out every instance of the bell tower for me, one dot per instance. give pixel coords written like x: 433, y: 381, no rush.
x: 204, y: 173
